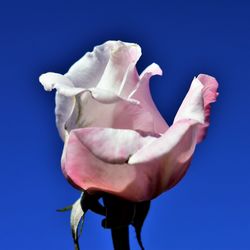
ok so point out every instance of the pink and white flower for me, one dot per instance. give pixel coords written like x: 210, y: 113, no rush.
x: 116, y: 141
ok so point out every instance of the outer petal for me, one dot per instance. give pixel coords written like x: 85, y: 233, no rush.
x: 142, y: 94
x: 66, y: 98
x: 112, y: 145
x: 167, y: 158
x: 65, y: 87
x: 63, y: 111
x: 62, y: 84
x: 196, y: 104
x: 157, y: 166
x: 209, y: 96
x: 192, y: 105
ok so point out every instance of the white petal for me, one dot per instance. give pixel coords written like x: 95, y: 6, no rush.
x: 105, y: 96
x: 121, y: 60
x: 110, y: 65
x: 64, y: 109
x: 130, y: 82
x: 87, y: 72
x: 90, y: 112
x: 59, y: 82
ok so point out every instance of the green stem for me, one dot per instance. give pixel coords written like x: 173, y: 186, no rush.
x: 77, y: 247
x: 120, y: 238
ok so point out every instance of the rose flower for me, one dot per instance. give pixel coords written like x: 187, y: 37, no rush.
x: 115, y: 140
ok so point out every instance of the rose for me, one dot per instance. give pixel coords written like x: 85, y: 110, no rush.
x: 115, y: 139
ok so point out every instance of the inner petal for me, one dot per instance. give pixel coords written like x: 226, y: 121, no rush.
x: 87, y: 71
x: 122, y: 114
x: 118, y: 67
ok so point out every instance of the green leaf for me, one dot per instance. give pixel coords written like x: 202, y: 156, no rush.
x: 76, y: 217
x: 65, y: 209
x: 142, y: 209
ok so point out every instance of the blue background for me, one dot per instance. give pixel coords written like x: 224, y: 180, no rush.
x: 210, y: 208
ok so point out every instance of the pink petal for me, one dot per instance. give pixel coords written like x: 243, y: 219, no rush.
x: 88, y: 167
x: 196, y: 104
x: 156, y: 164
x: 192, y: 105
x: 168, y: 157
x: 143, y: 95
x: 209, y: 96
x: 112, y: 145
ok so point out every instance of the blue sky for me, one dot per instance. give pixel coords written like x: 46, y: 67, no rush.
x: 209, y: 209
